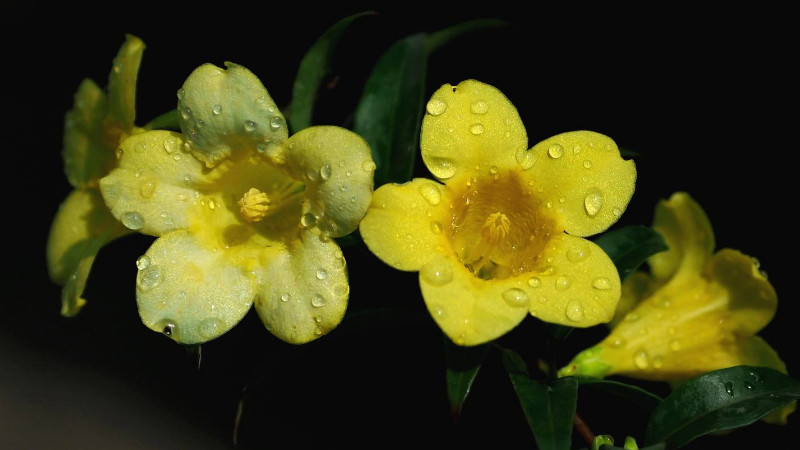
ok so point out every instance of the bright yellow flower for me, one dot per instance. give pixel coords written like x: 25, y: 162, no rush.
x: 92, y: 131
x: 243, y: 212
x: 503, y: 235
x: 697, y: 311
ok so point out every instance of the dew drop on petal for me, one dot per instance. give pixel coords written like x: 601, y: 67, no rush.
x: 147, y: 187
x: 211, y: 327
x: 593, y: 202
x: 430, y: 193
x: 325, y: 171
x: 275, y: 123
x: 563, y: 283
x: 322, y: 274
x: 170, y: 145
x: 308, y: 220
x: 534, y: 282
x: 167, y: 327
x: 285, y: 297
x: 516, y: 297
x: 318, y: 301
x: 132, y: 220
x: 443, y: 168
x: 148, y: 278
x: 602, y: 284
x: 436, y: 107
x: 577, y: 254
x: 640, y: 360
x: 575, y: 311
x: 555, y: 151
x: 217, y: 110
x: 143, y: 262
x: 617, y: 212
x: 658, y: 362
x: 438, y: 311
x: 436, y: 273
x: 587, y: 164
x: 479, y: 107
x: 436, y: 227
x: 477, y: 129
x: 249, y: 125
x: 368, y: 165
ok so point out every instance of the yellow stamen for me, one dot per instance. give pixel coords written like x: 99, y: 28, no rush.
x: 254, y: 205
x: 496, y: 227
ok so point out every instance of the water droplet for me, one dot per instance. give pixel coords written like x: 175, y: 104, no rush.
x: 617, y: 342
x: 534, y: 282
x: 442, y: 168
x: 285, y: 297
x: 167, y: 327
x: 436, y: 227
x: 563, y: 283
x: 318, y: 319
x: 749, y: 386
x: 275, y: 123
x: 525, y: 159
x: 516, y: 297
x: 479, y: 107
x: 593, y: 202
x: 140, y: 146
x: 587, y: 164
x: 325, y: 171
x: 368, y: 166
x: 616, y: 212
x: 217, y: 110
x: 147, y: 187
x: 436, y: 273
x: 143, y: 262
x: 601, y: 284
x: 555, y: 151
x: 430, y: 193
x: 577, y: 254
x: 181, y: 94
x: 562, y: 200
x: 658, y: 362
x: 133, y: 220
x: 186, y: 113
x: 249, y: 125
x: 308, y: 220
x: 436, y: 107
x: 549, y: 204
x: 674, y: 345
x: 631, y: 317
x: 575, y: 311
x: 170, y: 145
x: 318, y: 301
x: 477, y: 129
x: 729, y: 388
x: 199, y: 123
x: 576, y: 149
x: 176, y: 156
x: 138, y: 173
x: 493, y: 170
x: 148, y: 278
x: 640, y: 360
x: 211, y: 328
x: 322, y: 274
x: 438, y: 310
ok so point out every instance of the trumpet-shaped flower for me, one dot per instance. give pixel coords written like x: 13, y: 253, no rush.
x: 93, y: 129
x: 697, y: 311
x: 244, y: 214
x: 501, y: 233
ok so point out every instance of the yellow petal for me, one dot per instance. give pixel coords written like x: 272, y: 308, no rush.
x: 222, y: 111
x: 579, y: 286
x: 636, y: 288
x: 72, y: 300
x: 80, y: 228
x: 688, y: 234
x: 122, y: 82
x: 752, y: 300
x: 156, y: 184
x: 303, y: 288
x: 87, y: 157
x: 470, y: 310
x: 337, y: 168
x: 404, y: 224
x: 755, y: 351
x: 470, y: 127
x: 189, y: 292
x: 583, y: 173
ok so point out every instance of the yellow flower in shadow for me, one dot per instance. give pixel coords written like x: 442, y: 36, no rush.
x: 244, y: 213
x: 697, y: 311
x: 501, y: 234
x: 93, y: 129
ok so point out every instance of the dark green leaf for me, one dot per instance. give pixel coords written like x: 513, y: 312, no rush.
x: 166, y: 121
x: 549, y: 407
x: 314, y: 67
x: 628, y: 153
x: 463, y: 364
x: 630, y: 246
x: 649, y: 447
x: 719, y: 400
x: 513, y: 362
x: 389, y: 113
x: 438, y: 39
x: 636, y: 395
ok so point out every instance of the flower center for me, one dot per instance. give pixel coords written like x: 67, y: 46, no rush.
x: 254, y: 205
x: 500, y: 227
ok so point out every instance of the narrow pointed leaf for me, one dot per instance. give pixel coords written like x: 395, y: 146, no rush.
x: 389, y: 112
x: 314, y: 67
x: 436, y: 40
x: 630, y: 246
x: 719, y: 400
x: 634, y: 394
x: 463, y: 364
x: 649, y: 447
x: 548, y: 407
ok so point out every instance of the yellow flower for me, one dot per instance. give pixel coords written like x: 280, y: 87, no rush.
x: 697, y: 311
x: 503, y: 235
x: 92, y: 131
x: 244, y: 213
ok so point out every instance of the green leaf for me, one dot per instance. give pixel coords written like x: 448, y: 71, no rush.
x: 636, y: 395
x: 438, y: 39
x: 558, y: 332
x: 628, y: 153
x: 719, y: 400
x: 314, y: 67
x: 463, y: 364
x: 630, y: 246
x: 549, y: 407
x: 649, y: 447
x: 166, y: 121
x: 389, y: 113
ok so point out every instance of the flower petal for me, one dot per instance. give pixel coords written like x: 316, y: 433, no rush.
x: 122, y: 82
x: 688, y: 234
x: 755, y: 351
x: 404, y: 223
x: 156, y: 184
x: 470, y: 310
x: 189, y: 292
x: 303, y: 288
x: 579, y: 287
x: 470, y: 126
x: 752, y: 300
x: 583, y: 173
x: 87, y: 157
x: 636, y: 288
x: 80, y: 228
x: 336, y: 166
x: 222, y: 111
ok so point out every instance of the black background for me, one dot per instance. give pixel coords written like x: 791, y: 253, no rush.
x: 704, y: 97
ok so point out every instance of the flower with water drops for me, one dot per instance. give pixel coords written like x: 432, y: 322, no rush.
x: 244, y: 215
x: 695, y: 312
x: 93, y: 129
x: 501, y: 233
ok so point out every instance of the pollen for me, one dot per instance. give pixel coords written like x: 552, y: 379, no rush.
x: 254, y: 205
x: 496, y: 227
